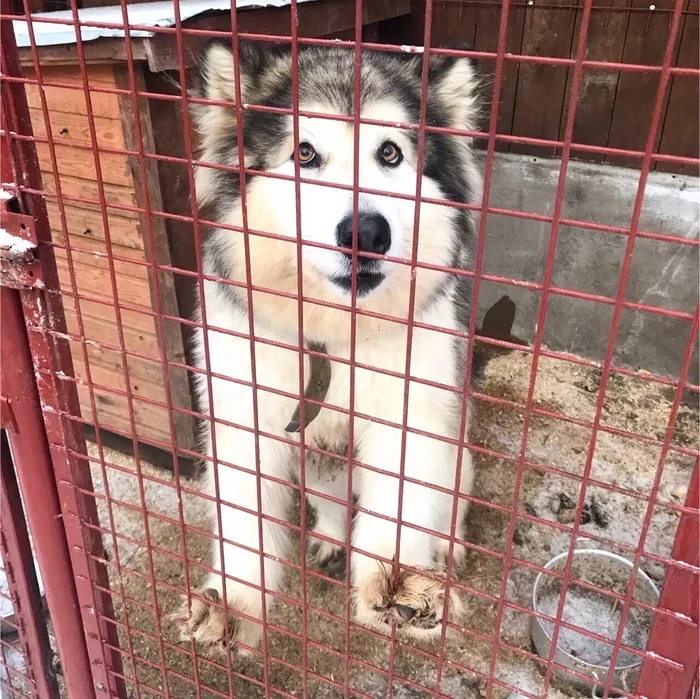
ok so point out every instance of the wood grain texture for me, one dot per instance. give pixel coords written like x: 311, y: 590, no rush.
x: 452, y: 23
x: 322, y: 18
x: 596, y: 98
x: 486, y: 39
x: 541, y: 91
x: 680, y: 130
x: 647, y: 35
x: 614, y: 108
x: 81, y: 163
x: 156, y: 243
x: 145, y: 376
x: 72, y: 100
x: 74, y: 127
x: 99, y: 325
x: 86, y: 225
x: 88, y: 189
x: 92, y: 275
x: 101, y: 52
x: 175, y: 191
x: 113, y: 413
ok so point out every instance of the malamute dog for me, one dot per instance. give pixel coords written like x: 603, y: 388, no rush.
x: 390, y: 92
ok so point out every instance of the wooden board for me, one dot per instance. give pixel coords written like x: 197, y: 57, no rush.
x: 79, y: 162
x: 98, y: 74
x: 614, y: 108
x: 113, y: 414
x: 72, y: 100
x: 87, y: 189
x: 647, y: 35
x: 92, y: 276
x: 174, y: 186
x: 453, y: 23
x: 486, y: 39
x: 596, y: 97
x: 85, y: 223
x: 99, y: 325
x: 66, y: 126
x: 680, y: 130
x: 155, y: 237
x: 145, y: 377
x: 548, y: 31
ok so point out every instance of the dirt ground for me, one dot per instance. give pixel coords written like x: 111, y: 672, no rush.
x: 631, y: 404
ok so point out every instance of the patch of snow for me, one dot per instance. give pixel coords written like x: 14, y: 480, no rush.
x: 13, y: 243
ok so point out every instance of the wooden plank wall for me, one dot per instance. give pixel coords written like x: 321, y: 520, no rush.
x: 86, y: 230
x: 614, y: 108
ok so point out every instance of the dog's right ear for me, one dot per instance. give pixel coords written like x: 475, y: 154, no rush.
x: 217, y: 70
x: 454, y: 80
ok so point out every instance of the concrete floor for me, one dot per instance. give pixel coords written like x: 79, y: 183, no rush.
x: 631, y: 404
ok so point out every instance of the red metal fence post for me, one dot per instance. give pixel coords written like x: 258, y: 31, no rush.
x: 680, y: 594
x: 18, y: 561
x: 68, y: 552
x: 33, y: 460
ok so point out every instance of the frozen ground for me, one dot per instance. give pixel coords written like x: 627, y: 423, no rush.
x: 631, y: 404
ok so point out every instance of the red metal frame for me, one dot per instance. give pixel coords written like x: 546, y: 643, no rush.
x: 47, y: 473
x: 670, y: 661
x: 35, y: 470
x: 24, y: 589
x: 680, y: 595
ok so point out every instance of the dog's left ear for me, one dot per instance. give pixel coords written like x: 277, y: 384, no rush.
x: 453, y: 80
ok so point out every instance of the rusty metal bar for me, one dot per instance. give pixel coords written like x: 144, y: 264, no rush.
x: 18, y: 562
x: 45, y: 445
x: 32, y: 457
x: 670, y: 637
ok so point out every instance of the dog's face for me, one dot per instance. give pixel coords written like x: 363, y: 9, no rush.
x: 386, y: 158
x: 386, y: 163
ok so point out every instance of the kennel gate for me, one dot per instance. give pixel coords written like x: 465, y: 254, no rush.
x: 101, y: 650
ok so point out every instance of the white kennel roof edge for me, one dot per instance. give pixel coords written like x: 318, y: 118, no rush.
x: 153, y: 14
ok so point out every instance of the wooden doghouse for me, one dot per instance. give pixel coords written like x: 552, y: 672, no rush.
x: 147, y: 337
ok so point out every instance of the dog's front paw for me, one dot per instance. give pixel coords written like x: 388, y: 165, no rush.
x: 414, y: 604
x: 328, y: 558
x: 215, y: 629
x: 459, y: 554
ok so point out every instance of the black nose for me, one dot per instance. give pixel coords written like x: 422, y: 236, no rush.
x: 373, y: 233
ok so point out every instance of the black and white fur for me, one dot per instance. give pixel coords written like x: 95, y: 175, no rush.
x: 391, y: 88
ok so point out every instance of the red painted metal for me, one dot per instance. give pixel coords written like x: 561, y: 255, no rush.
x: 680, y: 595
x: 48, y: 473
x: 669, y: 662
x: 18, y: 563
x: 19, y: 269
x: 30, y: 452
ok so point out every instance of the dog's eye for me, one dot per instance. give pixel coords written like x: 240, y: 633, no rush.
x: 306, y: 154
x: 391, y: 153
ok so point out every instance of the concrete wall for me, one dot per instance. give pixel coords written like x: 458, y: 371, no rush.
x: 662, y: 274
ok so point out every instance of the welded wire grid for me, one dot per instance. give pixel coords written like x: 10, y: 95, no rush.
x: 155, y: 526
x: 15, y: 679
x: 26, y: 662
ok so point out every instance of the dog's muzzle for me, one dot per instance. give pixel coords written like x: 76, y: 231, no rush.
x: 373, y: 235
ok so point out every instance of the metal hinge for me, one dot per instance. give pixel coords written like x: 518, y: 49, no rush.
x: 19, y: 259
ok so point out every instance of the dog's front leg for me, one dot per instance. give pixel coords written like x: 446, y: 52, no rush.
x: 413, y: 602
x: 240, y: 509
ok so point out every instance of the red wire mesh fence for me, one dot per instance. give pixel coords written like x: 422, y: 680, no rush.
x: 26, y: 668
x: 595, y: 447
